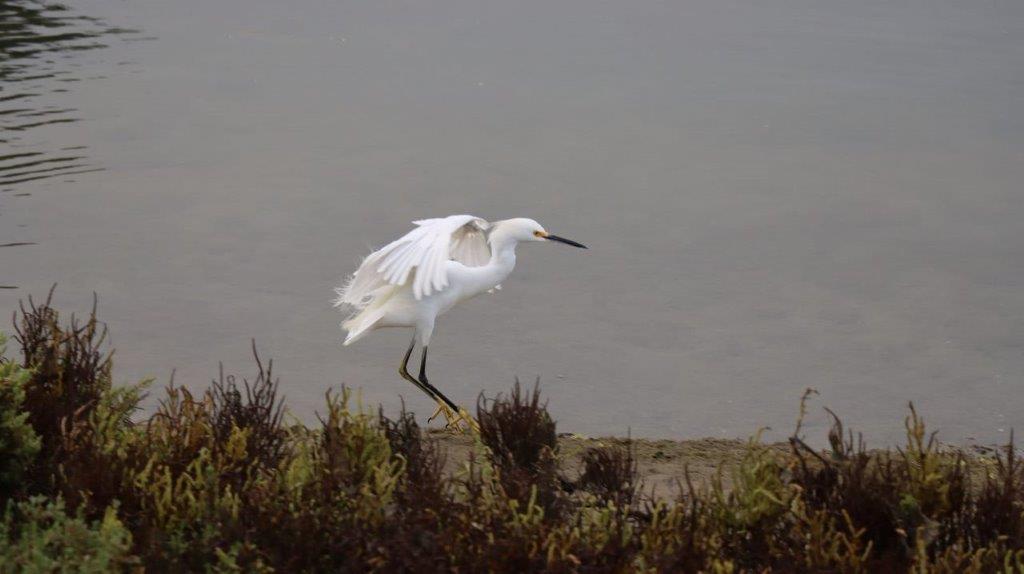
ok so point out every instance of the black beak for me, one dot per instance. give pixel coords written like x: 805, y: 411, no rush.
x: 565, y: 241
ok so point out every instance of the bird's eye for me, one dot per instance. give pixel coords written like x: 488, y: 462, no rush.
x: 537, y: 234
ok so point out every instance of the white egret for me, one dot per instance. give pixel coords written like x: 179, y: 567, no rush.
x: 423, y: 274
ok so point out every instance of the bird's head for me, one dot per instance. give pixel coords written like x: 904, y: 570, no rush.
x: 525, y: 229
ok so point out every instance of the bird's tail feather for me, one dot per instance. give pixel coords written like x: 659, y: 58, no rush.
x: 363, y: 320
x: 359, y: 327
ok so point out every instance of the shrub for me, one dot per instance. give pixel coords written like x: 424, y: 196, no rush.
x: 38, y: 536
x: 259, y: 413
x: 610, y: 473
x: 19, y: 442
x: 423, y: 484
x: 70, y: 373
x: 999, y: 515
x: 522, y: 445
x: 216, y: 481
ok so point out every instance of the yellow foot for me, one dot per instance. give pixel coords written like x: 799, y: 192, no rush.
x: 454, y: 420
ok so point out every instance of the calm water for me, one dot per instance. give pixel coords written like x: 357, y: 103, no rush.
x: 777, y: 194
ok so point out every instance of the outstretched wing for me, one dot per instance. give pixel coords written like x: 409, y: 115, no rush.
x: 425, y: 249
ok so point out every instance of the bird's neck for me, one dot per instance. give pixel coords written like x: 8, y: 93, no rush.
x: 503, y: 258
x: 495, y: 271
x: 503, y: 250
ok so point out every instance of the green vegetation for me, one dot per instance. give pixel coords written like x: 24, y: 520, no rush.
x: 220, y: 482
x: 38, y: 536
x: 19, y: 443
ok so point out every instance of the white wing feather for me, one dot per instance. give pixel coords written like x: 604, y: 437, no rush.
x: 425, y: 249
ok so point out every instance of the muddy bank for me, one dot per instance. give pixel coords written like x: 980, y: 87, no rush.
x: 662, y: 464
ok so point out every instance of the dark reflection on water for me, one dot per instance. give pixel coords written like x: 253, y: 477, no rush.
x: 36, y: 42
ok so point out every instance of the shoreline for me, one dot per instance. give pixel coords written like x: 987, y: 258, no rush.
x: 663, y: 464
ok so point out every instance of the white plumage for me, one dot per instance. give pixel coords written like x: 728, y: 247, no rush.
x: 423, y: 274
x: 424, y: 249
x: 418, y: 262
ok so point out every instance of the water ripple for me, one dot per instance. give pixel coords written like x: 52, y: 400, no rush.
x: 37, y: 40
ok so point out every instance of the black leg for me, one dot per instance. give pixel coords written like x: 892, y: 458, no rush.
x: 426, y: 383
x: 403, y: 370
x: 423, y: 365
